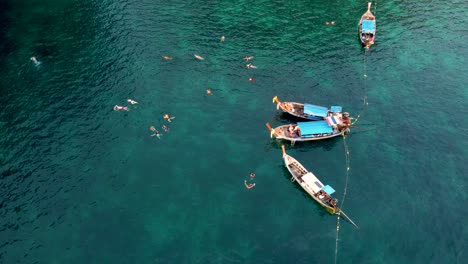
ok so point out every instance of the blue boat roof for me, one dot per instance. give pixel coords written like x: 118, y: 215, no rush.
x: 314, y: 127
x: 315, y: 110
x: 328, y: 189
x: 368, y: 26
x: 336, y: 109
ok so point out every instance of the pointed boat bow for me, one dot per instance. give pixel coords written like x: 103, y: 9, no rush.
x: 272, y: 131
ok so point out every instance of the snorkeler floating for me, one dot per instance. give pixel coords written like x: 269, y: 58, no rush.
x: 248, y: 185
x: 132, y: 101
x: 198, y: 57
x: 248, y: 58
x: 168, y: 118
x: 156, y: 132
x: 251, y: 66
x: 118, y: 108
x: 33, y: 59
x: 167, y: 57
x: 222, y: 38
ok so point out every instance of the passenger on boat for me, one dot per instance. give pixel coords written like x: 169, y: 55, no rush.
x: 291, y: 130
x: 321, y: 194
x: 346, y: 119
x: 297, y: 132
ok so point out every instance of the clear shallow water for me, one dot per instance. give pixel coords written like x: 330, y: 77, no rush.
x: 81, y: 183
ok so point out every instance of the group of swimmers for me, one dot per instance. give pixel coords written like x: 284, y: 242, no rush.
x: 156, y: 133
x: 125, y: 108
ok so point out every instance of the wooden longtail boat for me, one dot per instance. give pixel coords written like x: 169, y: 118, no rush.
x: 367, y: 28
x: 313, y: 186
x: 333, y: 126
x: 306, y: 111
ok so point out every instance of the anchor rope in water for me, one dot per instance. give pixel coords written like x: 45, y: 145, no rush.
x: 375, y: 8
x: 347, y: 157
x: 338, y: 224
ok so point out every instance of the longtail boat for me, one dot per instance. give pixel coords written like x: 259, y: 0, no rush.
x: 367, y: 28
x: 333, y: 126
x: 306, y: 111
x: 313, y: 186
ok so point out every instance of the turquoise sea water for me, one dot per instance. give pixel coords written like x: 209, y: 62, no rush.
x: 81, y: 183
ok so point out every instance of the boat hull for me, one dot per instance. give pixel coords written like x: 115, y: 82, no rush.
x: 297, y: 110
x: 367, y: 38
x: 293, y: 170
x: 282, y: 133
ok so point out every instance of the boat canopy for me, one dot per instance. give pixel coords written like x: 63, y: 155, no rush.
x: 368, y: 26
x: 314, y: 127
x: 328, y: 189
x: 315, y: 110
x: 312, y: 182
x: 336, y: 109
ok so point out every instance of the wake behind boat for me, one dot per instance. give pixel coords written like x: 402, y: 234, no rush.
x: 306, y: 111
x: 367, y: 28
x: 312, y: 185
x: 333, y: 126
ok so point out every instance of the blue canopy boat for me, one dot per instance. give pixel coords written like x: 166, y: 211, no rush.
x: 306, y: 111
x: 333, y: 126
x: 367, y: 28
x: 312, y: 185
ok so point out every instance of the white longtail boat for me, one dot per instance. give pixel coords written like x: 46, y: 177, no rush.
x: 313, y: 186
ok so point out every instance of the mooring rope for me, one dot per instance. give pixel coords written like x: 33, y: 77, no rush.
x: 344, y: 196
x: 347, y: 156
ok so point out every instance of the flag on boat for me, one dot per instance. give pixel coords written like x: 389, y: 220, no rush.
x: 333, y: 120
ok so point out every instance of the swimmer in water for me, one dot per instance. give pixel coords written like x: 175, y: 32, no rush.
x: 252, y: 175
x: 208, y: 91
x: 251, y: 79
x: 167, y: 57
x: 248, y: 58
x: 118, y: 107
x: 166, y: 129
x: 168, y: 118
x: 222, y: 38
x: 156, y: 133
x: 132, y: 101
x: 251, y: 66
x: 249, y: 185
x: 33, y: 59
x: 198, y: 57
